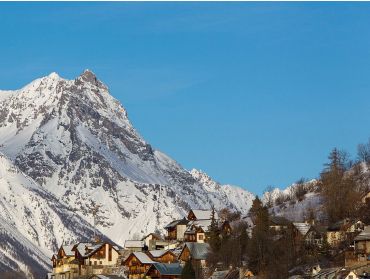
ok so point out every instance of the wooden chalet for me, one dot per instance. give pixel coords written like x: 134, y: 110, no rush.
x: 307, y: 234
x: 359, y: 254
x: 279, y: 223
x: 195, y: 233
x: 150, y: 240
x: 83, y: 259
x: 164, y: 271
x: 197, y: 254
x: 92, y: 258
x: 63, y: 263
x: 162, y: 256
x: 176, y: 229
x: 138, y: 263
x: 344, y: 230
x: 134, y: 245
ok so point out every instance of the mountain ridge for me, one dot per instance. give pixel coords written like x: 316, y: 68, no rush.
x: 75, y: 141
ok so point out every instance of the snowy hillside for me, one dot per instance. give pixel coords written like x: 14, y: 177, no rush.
x: 33, y: 222
x: 70, y: 145
x: 286, y: 204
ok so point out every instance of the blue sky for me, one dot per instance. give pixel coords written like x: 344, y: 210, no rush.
x: 254, y: 94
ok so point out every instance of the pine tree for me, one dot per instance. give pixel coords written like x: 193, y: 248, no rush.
x: 214, y: 239
x: 188, y: 271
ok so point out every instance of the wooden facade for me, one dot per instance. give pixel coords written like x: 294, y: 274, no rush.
x: 167, y: 257
x: 136, y: 267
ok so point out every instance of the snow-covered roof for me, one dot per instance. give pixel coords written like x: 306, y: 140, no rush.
x: 364, y: 235
x: 203, y: 224
x: 68, y: 250
x: 157, y: 253
x: 134, y: 244
x: 203, y: 214
x: 303, y: 228
x: 198, y: 251
x: 183, y: 221
x: 143, y: 258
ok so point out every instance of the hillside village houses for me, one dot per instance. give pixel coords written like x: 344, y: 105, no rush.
x: 155, y: 256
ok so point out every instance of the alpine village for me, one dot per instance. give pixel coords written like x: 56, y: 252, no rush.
x: 222, y: 244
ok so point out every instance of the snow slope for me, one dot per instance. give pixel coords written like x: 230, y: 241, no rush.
x: 75, y: 143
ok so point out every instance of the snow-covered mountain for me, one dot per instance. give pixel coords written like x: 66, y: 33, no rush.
x: 74, y: 145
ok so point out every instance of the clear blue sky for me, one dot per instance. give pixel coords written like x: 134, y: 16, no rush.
x: 255, y: 94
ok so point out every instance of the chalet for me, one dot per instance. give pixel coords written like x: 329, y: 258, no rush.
x: 176, y: 229
x: 305, y: 233
x: 63, y: 263
x: 83, y: 259
x: 164, y: 271
x: 279, y: 223
x: 134, y: 245
x: 138, y: 264
x: 162, y: 256
x: 150, y: 240
x: 93, y: 258
x: 362, y: 246
x: 195, y: 233
x: 197, y: 254
x: 343, y: 230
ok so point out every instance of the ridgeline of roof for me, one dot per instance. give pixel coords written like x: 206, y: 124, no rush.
x: 157, y: 236
x: 134, y: 244
x: 143, y: 258
x: 68, y: 250
x: 303, y: 228
x: 278, y: 220
x: 364, y: 235
x: 203, y: 214
x: 198, y: 251
x: 158, y: 253
x: 168, y: 268
x: 183, y: 221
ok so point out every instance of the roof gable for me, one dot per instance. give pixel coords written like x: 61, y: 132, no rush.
x: 198, y: 251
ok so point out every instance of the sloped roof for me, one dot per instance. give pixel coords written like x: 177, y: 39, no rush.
x: 183, y: 221
x: 158, y: 253
x: 68, y: 250
x: 87, y: 249
x: 134, y: 244
x: 203, y: 224
x: 157, y: 236
x: 364, y: 235
x: 143, y: 258
x: 278, y: 220
x: 168, y: 268
x: 198, y: 251
x: 203, y: 214
x: 303, y: 228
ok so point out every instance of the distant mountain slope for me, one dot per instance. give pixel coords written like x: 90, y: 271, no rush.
x: 76, y: 143
x: 33, y: 223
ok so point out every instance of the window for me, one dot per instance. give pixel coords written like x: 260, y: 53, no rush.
x: 101, y: 262
x: 95, y: 262
x: 201, y: 237
x: 350, y: 276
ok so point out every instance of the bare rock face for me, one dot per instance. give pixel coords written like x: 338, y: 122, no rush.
x: 75, y: 141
